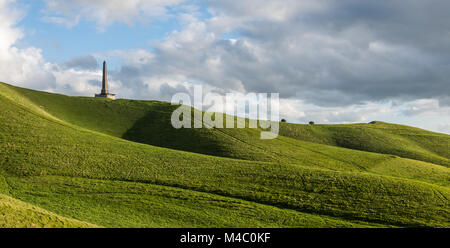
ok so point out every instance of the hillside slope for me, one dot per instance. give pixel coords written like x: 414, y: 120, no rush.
x: 379, y: 137
x: 149, y: 122
x: 77, y: 169
x: 15, y: 213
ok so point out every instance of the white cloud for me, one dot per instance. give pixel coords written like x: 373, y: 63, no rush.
x: 106, y: 12
x: 444, y: 128
x: 26, y: 67
x: 298, y: 111
x: 423, y: 107
x: 17, y: 65
x: 9, y: 16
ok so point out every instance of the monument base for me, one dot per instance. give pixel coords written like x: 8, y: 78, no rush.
x: 109, y: 96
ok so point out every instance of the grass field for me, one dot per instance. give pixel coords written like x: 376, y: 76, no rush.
x: 88, y: 162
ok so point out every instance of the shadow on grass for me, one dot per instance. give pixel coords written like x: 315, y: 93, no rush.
x: 155, y: 129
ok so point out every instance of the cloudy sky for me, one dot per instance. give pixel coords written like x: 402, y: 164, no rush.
x: 332, y: 61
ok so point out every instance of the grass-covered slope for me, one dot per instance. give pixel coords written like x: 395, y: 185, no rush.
x: 380, y: 137
x: 15, y: 213
x: 149, y: 122
x: 113, y: 203
x: 74, y: 166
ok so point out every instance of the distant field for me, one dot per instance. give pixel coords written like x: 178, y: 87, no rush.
x: 90, y: 162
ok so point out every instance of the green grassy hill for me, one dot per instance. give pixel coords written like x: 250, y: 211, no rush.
x: 15, y: 213
x: 380, y: 137
x: 121, y: 164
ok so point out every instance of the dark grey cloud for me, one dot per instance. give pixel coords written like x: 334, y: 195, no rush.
x: 329, y: 56
x: 328, y: 53
x: 167, y: 91
x: 444, y: 101
x: 130, y: 76
x: 86, y: 62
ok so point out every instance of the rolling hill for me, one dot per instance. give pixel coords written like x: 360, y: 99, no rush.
x: 87, y: 162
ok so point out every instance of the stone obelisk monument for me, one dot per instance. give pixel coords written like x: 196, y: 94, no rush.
x: 105, y: 91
